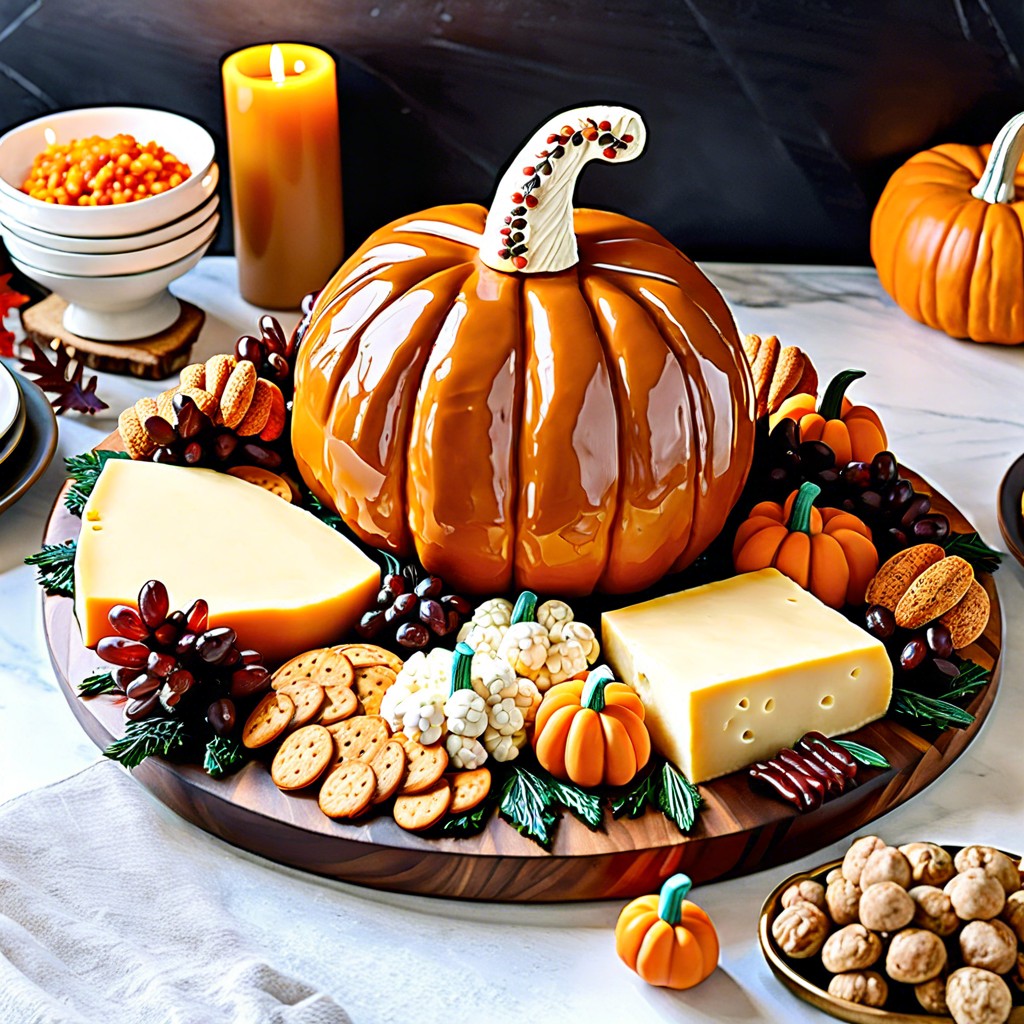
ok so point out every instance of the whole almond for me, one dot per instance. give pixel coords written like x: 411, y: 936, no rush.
x: 967, y: 619
x: 934, y: 592
x: 893, y: 579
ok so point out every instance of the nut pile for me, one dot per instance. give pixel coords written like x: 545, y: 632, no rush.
x: 322, y: 712
x: 913, y: 925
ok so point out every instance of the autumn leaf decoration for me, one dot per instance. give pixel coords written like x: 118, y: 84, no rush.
x: 9, y: 299
x: 63, y: 379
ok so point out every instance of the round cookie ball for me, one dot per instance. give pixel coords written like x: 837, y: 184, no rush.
x: 852, y: 948
x: 832, y: 876
x: 976, y: 895
x: 843, y: 900
x: 1013, y: 913
x: 800, y: 930
x: 990, y: 945
x: 865, y: 987
x: 886, y: 865
x: 805, y: 891
x: 992, y: 862
x: 857, y: 856
x: 932, y: 995
x: 915, y: 955
x: 975, y: 996
x: 933, y: 910
x: 886, y: 907
x: 929, y: 864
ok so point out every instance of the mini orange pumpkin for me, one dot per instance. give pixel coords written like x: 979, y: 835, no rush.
x: 666, y: 939
x: 853, y: 432
x: 827, y: 551
x: 592, y: 731
x: 946, y: 238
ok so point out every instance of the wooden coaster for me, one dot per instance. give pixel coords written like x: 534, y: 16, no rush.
x: 152, y: 358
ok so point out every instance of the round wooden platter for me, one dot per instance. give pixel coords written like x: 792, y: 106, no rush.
x: 1011, y: 516
x: 737, y: 832
x: 808, y: 979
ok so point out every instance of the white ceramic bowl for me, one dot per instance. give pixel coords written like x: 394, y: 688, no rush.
x: 122, y: 308
x: 184, y: 138
x: 109, y: 264
x: 123, y: 243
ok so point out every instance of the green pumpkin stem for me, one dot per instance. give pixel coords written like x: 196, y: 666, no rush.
x: 831, y: 404
x: 526, y: 608
x: 800, y: 516
x: 462, y: 668
x: 670, y: 903
x: 593, y: 689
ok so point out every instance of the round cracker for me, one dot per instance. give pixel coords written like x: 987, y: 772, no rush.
x: 300, y: 667
x: 365, y: 655
x: 370, y: 683
x: 417, y: 811
x: 302, y: 758
x: 360, y: 738
x: 423, y: 765
x: 268, y: 720
x: 334, y: 668
x: 469, y: 789
x: 340, y: 703
x: 348, y: 790
x: 389, y: 767
x: 308, y: 698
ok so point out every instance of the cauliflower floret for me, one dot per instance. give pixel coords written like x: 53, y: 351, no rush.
x: 415, y: 703
x: 525, y: 647
x: 465, y: 753
x: 504, y: 748
x: 485, y: 631
x: 553, y: 614
x: 582, y: 634
x: 466, y: 713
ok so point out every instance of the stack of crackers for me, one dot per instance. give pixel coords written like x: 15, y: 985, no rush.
x: 323, y: 708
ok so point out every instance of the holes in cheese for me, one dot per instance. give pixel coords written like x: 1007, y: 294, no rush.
x: 795, y: 653
x: 283, y: 580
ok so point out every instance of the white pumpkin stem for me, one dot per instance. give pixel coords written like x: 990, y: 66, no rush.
x: 996, y: 182
x: 529, y: 226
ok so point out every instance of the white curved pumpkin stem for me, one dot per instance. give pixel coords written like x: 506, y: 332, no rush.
x: 996, y: 182
x: 529, y: 226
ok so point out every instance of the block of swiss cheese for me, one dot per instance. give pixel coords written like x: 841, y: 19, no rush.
x: 732, y: 671
x: 283, y: 580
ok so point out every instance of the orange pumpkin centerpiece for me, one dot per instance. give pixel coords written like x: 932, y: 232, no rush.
x: 946, y: 238
x: 531, y: 397
x: 853, y: 432
x: 666, y: 939
x: 828, y: 552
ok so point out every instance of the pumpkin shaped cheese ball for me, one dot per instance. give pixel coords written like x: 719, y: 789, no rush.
x: 666, y: 939
x: 532, y: 396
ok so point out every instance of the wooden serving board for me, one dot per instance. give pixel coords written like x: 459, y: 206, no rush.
x: 737, y: 831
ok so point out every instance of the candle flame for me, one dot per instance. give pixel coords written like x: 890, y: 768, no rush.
x: 277, y: 65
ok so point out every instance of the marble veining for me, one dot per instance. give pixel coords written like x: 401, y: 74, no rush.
x: 953, y: 413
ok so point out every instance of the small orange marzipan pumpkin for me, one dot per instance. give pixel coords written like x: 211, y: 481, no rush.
x: 946, y: 238
x: 853, y: 432
x: 827, y: 551
x: 592, y: 731
x: 666, y: 939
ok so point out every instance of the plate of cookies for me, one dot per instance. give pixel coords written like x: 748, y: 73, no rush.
x: 912, y: 934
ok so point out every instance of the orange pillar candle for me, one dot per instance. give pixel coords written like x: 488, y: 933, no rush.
x: 281, y: 104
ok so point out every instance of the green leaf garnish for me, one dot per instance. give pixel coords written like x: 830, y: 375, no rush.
x: 145, y: 738
x: 472, y: 823
x: 585, y: 806
x: 102, y: 682
x: 930, y: 710
x: 678, y: 798
x: 973, y: 549
x: 56, y: 565
x: 85, y: 469
x: 224, y: 755
x: 641, y: 794
x: 865, y: 755
x: 971, y: 678
x: 526, y: 805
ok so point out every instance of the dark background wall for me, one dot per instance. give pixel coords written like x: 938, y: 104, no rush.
x: 773, y: 123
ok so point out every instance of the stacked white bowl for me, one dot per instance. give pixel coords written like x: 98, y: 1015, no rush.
x: 112, y: 264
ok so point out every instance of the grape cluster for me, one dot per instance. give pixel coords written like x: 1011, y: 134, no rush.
x: 791, y: 462
x: 163, y: 657
x: 413, y: 611
x: 925, y: 654
x: 271, y: 353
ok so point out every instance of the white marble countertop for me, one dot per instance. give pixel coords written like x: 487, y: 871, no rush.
x: 953, y: 412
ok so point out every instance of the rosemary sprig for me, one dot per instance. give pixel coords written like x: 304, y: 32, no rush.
x: 865, y: 755
x: 56, y: 565
x: 971, y: 678
x: 85, y: 470
x: 102, y: 682
x: 971, y: 547
x: 145, y: 738
x: 930, y: 710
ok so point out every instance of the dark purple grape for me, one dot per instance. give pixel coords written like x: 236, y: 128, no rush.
x: 166, y: 635
x: 371, y: 623
x: 827, y: 477
x: 192, y: 454
x: 913, y: 654
x: 870, y: 500
x: 197, y: 616
x: 248, y: 680
x: 135, y: 710
x: 857, y: 475
x: 429, y: 586
x: 180, y: 681
x: 946, y: 669
x: 259, y: 455
x: 393, y: 584
x: 899, y: 494
x: 248, y: 347
x: 185, y: 645
x: 403, y: 606
x: 222, y: 716
x: 127, y: 621
x: 785, y: 435
x: 273, y: 334
x: 153, y: 603
x: 934, y: 527
x: 214, y: 644
x: 939, y: 640
x: 160, y: 431
x: 224, y: 446
x: 880, y: 622
x: 123, y: 676
x: 142, y: 686
x: 188, y: 417
x: 160, y: 665
x: 249, y: 657
x: 278, y: 365
x: 884, y: 469
x: 165, y: 456
x: 815, y: 456
x: 433, y: 616
x: 897, y: 536
x: 917, y: 506
x: 119, y: 650
x: 232, y: 658
x: 413, y: 635
x: 456, y: 603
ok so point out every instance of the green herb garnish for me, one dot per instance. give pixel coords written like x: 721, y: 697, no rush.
x: 526, y: 805
x: 678, y: 798
x: 472, y: 823
x: 145, y: 738
x: 585, y: 806
x: 85, y: 470
x: 56, y: 565
x: 930, y: 710
x: 973, y: 549
x: 102, y: 682
x: 224, y: 755
x: 971, y: 678
x: 865, y: 755
x: 641, y: 794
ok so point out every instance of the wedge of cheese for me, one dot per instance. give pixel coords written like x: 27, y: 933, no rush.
x: 283, y: 580
x: 732, y: 671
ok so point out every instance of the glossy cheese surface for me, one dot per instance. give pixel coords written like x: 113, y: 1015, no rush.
x: 733, y: 671
x: 283, y: 580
